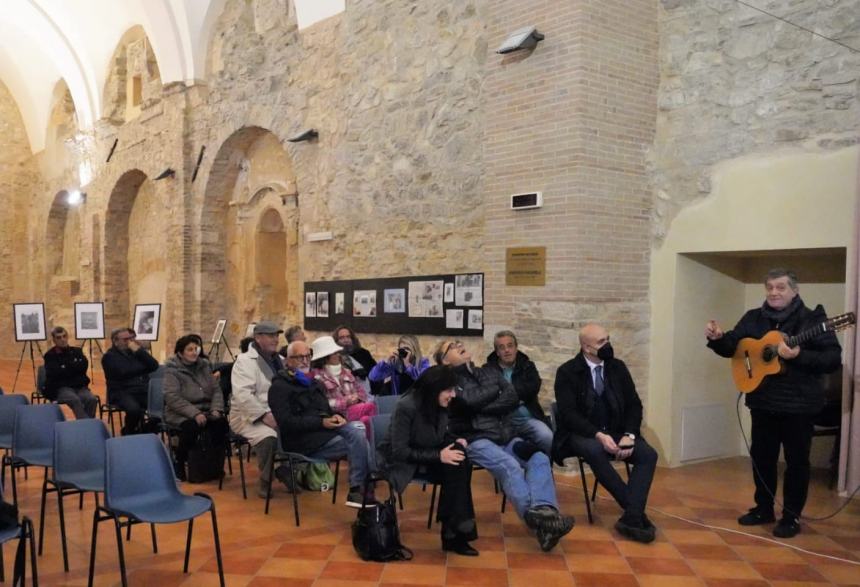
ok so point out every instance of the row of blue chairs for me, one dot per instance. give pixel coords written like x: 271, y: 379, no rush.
x: 134, y: 473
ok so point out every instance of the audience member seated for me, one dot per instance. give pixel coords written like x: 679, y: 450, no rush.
x: 127, y: 367
x: 396, y: 374
x: 193, y: 401
x: 599, y: 419
x: 419, y: 442
x: 520, y: 371
x: 66, y: 378
x: 481, y: 413
x: 250, y: 415
x: 309, y: 426
x: 295, y: 333
x: 357, y: 358
x: 345, y: 396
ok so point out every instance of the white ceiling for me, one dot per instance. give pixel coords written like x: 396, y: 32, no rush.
x: 44, y: 41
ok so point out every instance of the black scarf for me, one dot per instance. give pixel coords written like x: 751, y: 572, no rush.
x: 780, y: 316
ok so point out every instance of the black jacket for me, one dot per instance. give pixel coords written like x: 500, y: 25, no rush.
x: 575, y: 396
x: 127, y: 372
x: 526, y: 380
x: 413, y: 439
x: 65, y: 368
x: 797, y: 389
x: 299, y: 411
x: 483, y: 405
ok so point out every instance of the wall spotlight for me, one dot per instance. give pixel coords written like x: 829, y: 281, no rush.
x: 308, y: 135
x: 524, y: 38
x: 75, y: 198
x: 169, y: 172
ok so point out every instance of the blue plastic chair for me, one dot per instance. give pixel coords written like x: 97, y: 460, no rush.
x: 8, y: 403
x: 79, y: 465
x: 140, y: 488
x: 24, y: 533
x: 385, y: 403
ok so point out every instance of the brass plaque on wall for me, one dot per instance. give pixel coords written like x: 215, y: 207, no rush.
x: 525, y: 266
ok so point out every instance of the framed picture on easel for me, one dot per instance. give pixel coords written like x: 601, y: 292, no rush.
x: 219, y: 330
x: 146, y: 319
x: 29, y: 322
x: 89, y: 320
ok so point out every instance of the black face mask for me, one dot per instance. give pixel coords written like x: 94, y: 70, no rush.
x: 605, y: 352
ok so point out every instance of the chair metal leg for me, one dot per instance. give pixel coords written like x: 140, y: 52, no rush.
x: 14, y: 483
x: 504, y: 501
x: 81, y: 500
x: 217, y: 540
x: 432, y: 505
x: 63, y: 528
x: 242, y: 469
x: 336, y: 475
x: 188, y: 545
x: 42, y: 512
x: 594, y: 490
x: 120, y: 550
x: 154, y: 540
x: 295, y: 492
x: 269, y: 486
x: 96, y: 519
x: 585, y: 491
x: 2, y: 566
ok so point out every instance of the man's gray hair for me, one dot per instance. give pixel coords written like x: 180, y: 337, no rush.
x: 117, y: 331
x: 778, y: 272
x: 57, y: 330
x: 503, y: 334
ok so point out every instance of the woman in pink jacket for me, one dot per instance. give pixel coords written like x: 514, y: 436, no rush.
x: 345, y: 395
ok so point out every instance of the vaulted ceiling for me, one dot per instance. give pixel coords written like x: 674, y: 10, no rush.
x: 45, y: 41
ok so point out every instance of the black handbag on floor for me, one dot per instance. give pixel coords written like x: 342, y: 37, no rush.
x: 205, y: 461
x: 375, y: 533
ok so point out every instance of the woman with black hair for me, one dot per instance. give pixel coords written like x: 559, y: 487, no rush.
x: 193, y: 401
x: 419, y: 442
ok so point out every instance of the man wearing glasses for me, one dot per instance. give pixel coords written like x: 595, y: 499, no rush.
x: 308, y: 425
x: 482, y: 414
x: 127, y: 367
x: 250, y: 415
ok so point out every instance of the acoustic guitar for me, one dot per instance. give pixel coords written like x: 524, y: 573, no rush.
x: 755, y: 359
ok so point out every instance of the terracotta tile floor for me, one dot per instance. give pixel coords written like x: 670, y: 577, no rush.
x: 262, y: 550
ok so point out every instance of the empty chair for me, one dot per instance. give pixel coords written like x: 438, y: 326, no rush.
x: 140, y: 488
x: 24, y: 533
x: 79, y: 464
x: 385, y: 403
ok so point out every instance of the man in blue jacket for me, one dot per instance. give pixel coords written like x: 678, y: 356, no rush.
x: 784, y: 404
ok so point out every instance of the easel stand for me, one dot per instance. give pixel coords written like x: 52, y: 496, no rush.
x: 215, y: 350
x: 89, y: 342
x: 27, y: 343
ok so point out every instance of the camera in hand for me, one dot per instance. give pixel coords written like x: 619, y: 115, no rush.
x: 402, y: 353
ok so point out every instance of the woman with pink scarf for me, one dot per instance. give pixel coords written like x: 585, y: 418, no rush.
x: 345, y: 395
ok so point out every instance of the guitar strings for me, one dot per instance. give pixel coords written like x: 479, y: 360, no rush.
x: 767, y: 489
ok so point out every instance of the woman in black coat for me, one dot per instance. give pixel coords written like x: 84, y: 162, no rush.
x: 419, y: 442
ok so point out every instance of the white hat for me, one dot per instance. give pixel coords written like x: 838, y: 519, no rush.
x: 323, y: 347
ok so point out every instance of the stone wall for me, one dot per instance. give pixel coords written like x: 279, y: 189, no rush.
x: 734, y: 81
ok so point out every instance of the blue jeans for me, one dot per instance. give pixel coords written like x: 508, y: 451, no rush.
x: 528, y: 427
x: 351, y: 443
x: 527, y: 484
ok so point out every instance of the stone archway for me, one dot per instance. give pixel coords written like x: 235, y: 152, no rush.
x: 62, y: 257
x: 248, y: 256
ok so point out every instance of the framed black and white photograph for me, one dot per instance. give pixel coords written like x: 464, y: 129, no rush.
x: 219, y: 330
x: 394, y: 301
x: 29, y: 322
x: 469, y: 289
x: 339, y: 302
x: 146, y: 318
x: 89, y: 320
x: 322, y: 304
x: 311, y: 304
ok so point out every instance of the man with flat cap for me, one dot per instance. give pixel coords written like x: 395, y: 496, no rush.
x: 250, y: 415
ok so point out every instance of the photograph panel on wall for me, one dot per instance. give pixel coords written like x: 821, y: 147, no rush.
x: 219, y: 330
x: 310, y: 304
x: 339, y: 302
x: 89, y: 320
x: 322, y: 304
x: 476, y: 319
x: 454, y: 318
x: 449, y: 293
x: 364, y: 303
x: 469, y: 289
x: 394, y: 301
x: 146, y: 319
x: 425, y: 299
x: 29, y: 322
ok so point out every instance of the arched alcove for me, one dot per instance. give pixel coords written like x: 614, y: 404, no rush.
x: 270, y: 252
x: 249, y: 234
x: 133, y: 79
x: 62, y: 236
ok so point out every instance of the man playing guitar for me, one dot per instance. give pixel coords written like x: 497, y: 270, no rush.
x: 784, y: 404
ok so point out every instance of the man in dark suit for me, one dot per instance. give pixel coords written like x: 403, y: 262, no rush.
x: 599, y: 419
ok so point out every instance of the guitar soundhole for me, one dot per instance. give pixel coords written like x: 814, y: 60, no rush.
x: 768, y: 354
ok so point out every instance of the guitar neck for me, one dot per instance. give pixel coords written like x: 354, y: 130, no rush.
x: 832, y: 325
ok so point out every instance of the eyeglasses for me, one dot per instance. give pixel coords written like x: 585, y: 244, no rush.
x: 306, y: 357
x: 453, y: 345
x: 124, y: 338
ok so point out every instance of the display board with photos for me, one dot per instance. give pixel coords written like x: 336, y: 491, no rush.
x: 450, y: 304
